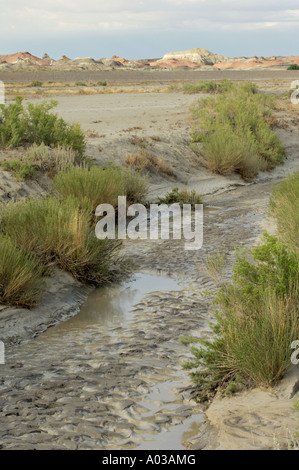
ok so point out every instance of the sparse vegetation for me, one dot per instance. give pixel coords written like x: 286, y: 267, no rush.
x: 205, y: 86
x: 36, y: 83
x: 181, y: 196
x: 39, y: 158
x: 144, y: 161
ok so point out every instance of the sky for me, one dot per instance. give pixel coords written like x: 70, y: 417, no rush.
x: 137, y: 29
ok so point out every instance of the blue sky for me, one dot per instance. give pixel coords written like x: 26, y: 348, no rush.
x: 148, y: 29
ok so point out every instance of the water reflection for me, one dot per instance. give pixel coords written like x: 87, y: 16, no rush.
x: 112, y: 305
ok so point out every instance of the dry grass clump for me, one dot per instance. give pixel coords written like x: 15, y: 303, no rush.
x: 144, y: 161
x: 91, y: 133
x: 40, y: 158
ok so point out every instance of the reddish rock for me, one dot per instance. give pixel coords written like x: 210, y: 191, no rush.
x: 23, y: 57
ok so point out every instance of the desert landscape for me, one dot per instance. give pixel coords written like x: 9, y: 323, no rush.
x: 102, y: 365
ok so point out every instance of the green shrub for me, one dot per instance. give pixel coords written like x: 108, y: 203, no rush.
x: 12, y: 124
x: 234, y: 134
x: 36, y: 124
x: 284, y: 204
x: 256, y: 322
x: 102, y: 83
x: 21, y: 273
x: 293, y: 67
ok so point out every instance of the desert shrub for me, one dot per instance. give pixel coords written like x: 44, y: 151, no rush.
x: 181, y: 196
x: 60, y: 233
x: 79, y: 83
x: 256, y: 321
x: 226, y: 153
x: 102, y: 83
x: 12, y: 125
x: 35, y: 83
x: 21, y: 273
x: 144, y: 161
x: 234, y: 134
x: 284, y: 204
x: 37, y: 124
x: 293, y: 67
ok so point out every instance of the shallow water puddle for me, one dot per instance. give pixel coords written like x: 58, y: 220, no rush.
x: 114, y: 305
x: 110, y: 374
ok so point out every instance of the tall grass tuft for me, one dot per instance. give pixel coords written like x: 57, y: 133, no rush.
x: 94, y: 186
x: 21, y: 274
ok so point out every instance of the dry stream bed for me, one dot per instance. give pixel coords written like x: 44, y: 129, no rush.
x: 111, y: 377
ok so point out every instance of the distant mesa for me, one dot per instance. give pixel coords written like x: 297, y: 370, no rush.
x: 197, y: 56
x: 23, y: 57
x: 190, y: 59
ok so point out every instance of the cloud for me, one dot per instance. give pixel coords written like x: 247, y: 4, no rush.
x: 137, y: 15
x: 187, y: 23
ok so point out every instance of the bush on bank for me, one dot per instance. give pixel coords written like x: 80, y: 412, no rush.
x: 231, y: 132
x: 60, y: 233
x: 37, y: 124
x: 256, y: 322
